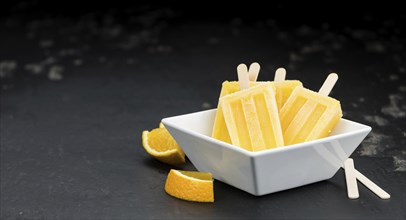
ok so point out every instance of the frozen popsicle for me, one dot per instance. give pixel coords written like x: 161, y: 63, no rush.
x: 251, y: 116
x: 308, y: 115
x: 220, y: 131
x: 284, y: 87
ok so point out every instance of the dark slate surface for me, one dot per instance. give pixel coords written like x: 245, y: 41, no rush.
x: 78, y: 88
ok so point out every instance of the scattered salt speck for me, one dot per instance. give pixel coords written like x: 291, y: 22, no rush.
x: 270, y: 22
x: 282, y: 35
x: 49, y: 60
x: 34, y: 68
x: 206, y: 105
x: 77, y: 62
x: 236, y: 22
x: 361, y: 99
x: 46, y: 43
x: 362, y: 34
x: 375, y: 47
x: 294, y: 57
x: 312, y: 48
x: 213, y: 40
x: 372, y: 144
x: 134, y: 40
x: 393, y: 109
x: 397, y: 58
x: 68, y: 52
x: 235, y: 32
x: 20, y: 213
x: 376, y: 119
x: 30, y: 35
x: 291, y: 66
x: 355, y: 105
x: 304, y: 31
x: 393, y: 77
x: 7, y: 87
x: 130, y: 61
x: 102, y: 59
x: 55, y: 73
x: 112, y: 32
x: 402, y: 69
x: 160, y: 49
x: 399, y: 162
x: 402, y: 88
x: 7, y: 68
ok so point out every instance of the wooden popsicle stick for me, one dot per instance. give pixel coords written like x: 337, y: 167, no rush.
x: 254, y: 71
x: 243, y: 77
x: 328, y: 84
x: 371, y: 185
x: 351, y: 180
x: 280, y: 75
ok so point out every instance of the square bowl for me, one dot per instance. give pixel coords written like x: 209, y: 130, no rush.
x: 267, y: 171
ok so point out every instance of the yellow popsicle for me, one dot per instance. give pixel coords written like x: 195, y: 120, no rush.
x: 284, y: 87
x: 252, y: 118
x: 220, y: 131
x: 308, y: 115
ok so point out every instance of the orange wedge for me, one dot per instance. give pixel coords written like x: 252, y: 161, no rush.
x: 190, y: 185
x: 161, y: 145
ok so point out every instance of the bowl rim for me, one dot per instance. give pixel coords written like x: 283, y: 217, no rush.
x: 167, y: 121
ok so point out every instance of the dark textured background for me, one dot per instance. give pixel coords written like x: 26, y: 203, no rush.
x: 80, y: 82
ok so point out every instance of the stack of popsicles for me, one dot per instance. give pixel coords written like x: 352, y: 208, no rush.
x: 264, y: 115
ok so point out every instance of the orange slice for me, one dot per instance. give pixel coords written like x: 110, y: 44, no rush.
x: 161, y: 145
x: 190, y: 185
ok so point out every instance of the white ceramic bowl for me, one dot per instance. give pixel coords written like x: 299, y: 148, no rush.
x: 267, y: 171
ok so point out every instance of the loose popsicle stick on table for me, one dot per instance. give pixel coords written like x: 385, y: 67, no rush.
x: 369, y: 184
x: 351, y: 180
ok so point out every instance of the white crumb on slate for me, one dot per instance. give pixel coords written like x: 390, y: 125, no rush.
x: 68, y: 52
x: 34, y: 68
x: 7, y: 68
x: 399, y: 162
x: 213, y: 40
x: 372, y: 144
x: 376, y: 119
x: 361, y: 99
x: 46, y: 43
x: 102, y: 59
x: 77, y: 62
x: 159, y: 49
x: 314, y: 48
x: 375, y: 47
x: 304, y: 31
x: 394, y: 109
x: 49, y: 60
x: 55, y: 73
x: 402, y: 88
x: 402, y: 69
x: 294, y: 57
x: 206, y: 105
x: 393, y: 77
x: 130, y: 61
